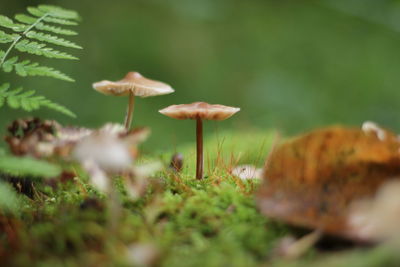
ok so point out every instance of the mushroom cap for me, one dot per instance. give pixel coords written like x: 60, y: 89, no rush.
x: 200, y: 110
x: 133, y: 82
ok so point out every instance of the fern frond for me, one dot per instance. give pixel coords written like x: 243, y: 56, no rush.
x: 57, y: 107
x: 27, y: 37
x: 25, y: 19
x: 40, y: 49
x: 50, y: 39
x: 60, y: 21
x: 28, y: 167
x: 41, y: 14
x: 9, y: 199
x: 7, y: 38
x: 6, y: 22
x: 54, y: 29
x: 41, y: 26
x: 26, y: 68
x: 28, y: 100
x: 9, y: 63
x: 3, y: 88
x: 14, y: 98
x: 37, y: 13
x: 58, y: 12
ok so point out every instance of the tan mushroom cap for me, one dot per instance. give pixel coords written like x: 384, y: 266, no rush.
x: 133, y: 82
x: 199, y: 110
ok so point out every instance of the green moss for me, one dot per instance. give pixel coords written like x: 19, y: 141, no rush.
x: 213, y: 222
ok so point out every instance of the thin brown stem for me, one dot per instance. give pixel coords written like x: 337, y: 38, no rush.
x: 129, y: 111
x: 199, y: 142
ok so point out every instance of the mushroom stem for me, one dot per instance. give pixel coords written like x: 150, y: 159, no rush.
x: 129, y: 111
x: 199, y: 142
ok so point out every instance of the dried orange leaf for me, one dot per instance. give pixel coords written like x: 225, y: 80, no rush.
x: 311, y: 180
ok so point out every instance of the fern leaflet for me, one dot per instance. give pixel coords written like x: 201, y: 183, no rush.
x: 41, y: 14
x: 40, y: 49
x: 28, y: 68
x: 6, y: 22
x: 58, y: 12
x: 7, y: 38
x: 28, y: 100
x: 27, y: 35
x: 9, y: 199
x: 51, y: 39
x: 26, y: 166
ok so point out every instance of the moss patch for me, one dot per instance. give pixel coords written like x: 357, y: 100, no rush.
x: 183, y: 222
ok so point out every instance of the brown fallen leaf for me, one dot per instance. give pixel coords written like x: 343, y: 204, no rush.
x: 311, y: 180
x: 44, y: 138
x: 24, y: 136
x: 176, y: 163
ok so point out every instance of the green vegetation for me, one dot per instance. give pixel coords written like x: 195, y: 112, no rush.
x: 216, y: 219
x: 26, y: 166
x: 182, y: 221
x: 27, y: 100
x: 289, y: 65
x: 31, y: 34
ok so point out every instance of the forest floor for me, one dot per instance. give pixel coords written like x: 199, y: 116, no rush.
x: 179, y: 221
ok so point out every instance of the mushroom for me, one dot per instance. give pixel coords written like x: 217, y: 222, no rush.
x: 199, y: 111
x: 133, y: 84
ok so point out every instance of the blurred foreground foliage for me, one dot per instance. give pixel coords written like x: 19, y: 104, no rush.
x: 179, y: 221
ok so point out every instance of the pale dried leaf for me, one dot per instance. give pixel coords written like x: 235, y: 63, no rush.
x: 106, y: 150
x: 145, y: 254
x: 290, y: 248
x: 148, y: 169
x: 98, y: 177
x: 246, y: 172
x: 378, y: 218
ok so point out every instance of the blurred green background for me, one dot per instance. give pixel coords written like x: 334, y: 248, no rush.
x: 291, y: 65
